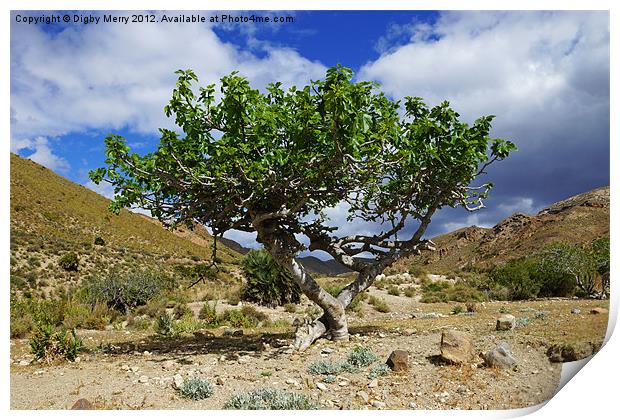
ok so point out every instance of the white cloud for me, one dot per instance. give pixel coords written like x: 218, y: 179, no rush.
x: 517, y: 205
x: 110, y: 76
x: 533, y: 70
x: 42, y: 153
x: 470, y: 220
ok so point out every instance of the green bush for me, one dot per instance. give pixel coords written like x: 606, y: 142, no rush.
x: 49, y: 344
x: 164, y: 326
x: 361, y: 357
x: 379, y: 304
x: 267, y: 282
x: 270, y: 399
x: 519, y: 277
x: 325, y: 367
x: 181, y: 310
x: 248, y: 317
x: 379, y: 370
x: 209, y: 314
x: 196, y: 389
x: 69, y: 261
x: 394, y: 290
x: 457, y: 309
x: 125, y: 291
x: 446, y: 292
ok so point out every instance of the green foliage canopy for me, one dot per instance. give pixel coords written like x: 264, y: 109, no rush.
x: 246, y: 158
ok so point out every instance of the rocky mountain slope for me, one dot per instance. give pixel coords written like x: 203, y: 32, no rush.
x: 52, y: 216
x: 578, y: 219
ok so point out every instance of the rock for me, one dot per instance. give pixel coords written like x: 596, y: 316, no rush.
x: 398, y: 360
x: 378, y: 404
x: 143, y: 379
x: 219, y: 381
x: 292, y: 382
x: 413, y: 405
x: 134, y: 368
x: 363, y: 395
x: 561, y: 353
x: 24, y: 362
x: 462, y: 389
x: 327, y: 350
x: 321, y: 386
x: 228, y: 332
x: 599, y: 311
x: 168, y: 364
x: 177, y: 381
x: 409, y: 331
x: 83, y: 404
x: 500, y: 357
x: 374, y: 383
x: 456, y: 347
x: 343, y: 383
x: 505, y: 322
x: 146, y: 353
x: 575, y: 311
x: 202, y: 334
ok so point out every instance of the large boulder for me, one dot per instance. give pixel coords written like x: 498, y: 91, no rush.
x: 505, y: 322
x: 457, y: 347
x: 398, y: 360
x: 500, y: 357
x: 599, y: 311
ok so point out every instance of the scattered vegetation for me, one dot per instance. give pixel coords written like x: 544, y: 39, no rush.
x: 361, y: 357
x: 270, y: 399
x: 48, y: 344
x: 379, y: 304
x: 379, y: 370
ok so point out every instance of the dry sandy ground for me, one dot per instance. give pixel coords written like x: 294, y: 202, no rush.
x: 128, y: 369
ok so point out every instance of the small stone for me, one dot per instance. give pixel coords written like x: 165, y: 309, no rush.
x: 24, y: 362
x: 135, y: 368
x: 168, y: 364
x: 505, y: 322
x: 146, y: 353
x: 413, y: 405
x: 177, y: 381
x: 575, y: 311
x: 409, y: 331
x: 398, y: 360
x: 219, y: 381
x: 374, y: 383
x: 500, y: 357
x: 143, y: 379
x: 599, y: 311
x: 321, y: 386
x: 292, y: 382
x: 378, y: 404
x: 462, y: 389
x: 327, y: 350
x: 456, y: 347
x: 364, y: 396
x: 343, y: 383
x: 82, y: 404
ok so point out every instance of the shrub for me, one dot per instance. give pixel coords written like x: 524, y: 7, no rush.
x: 457, y: 309
x: 238, y: 319
x: 325, y: 367
x: 153, y: 308
x: 181, y: 310
x: 69, y: 261
x: 99, y: 241
x: 164, y: 327
x: 361, y: 357
x: 379, y: 304
x: 410, y: 292
x: 394, y: 291
x: 123, y: 292
x: 187, y: 324
x: 267, y: 282
x: 270, y: 399
x: 49, y: 344
x: 519, y: 277
x: 379, y: 370
x: 290, y: 308
x: 196, y: 389
x: 446, y: 292
x: 209, y: 314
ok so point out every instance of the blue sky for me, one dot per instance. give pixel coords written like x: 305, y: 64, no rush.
x: 545, y: 75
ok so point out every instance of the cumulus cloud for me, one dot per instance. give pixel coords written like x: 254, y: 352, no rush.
x: 545, y: 75
x: 113, y: 76
x: 41, y: 153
